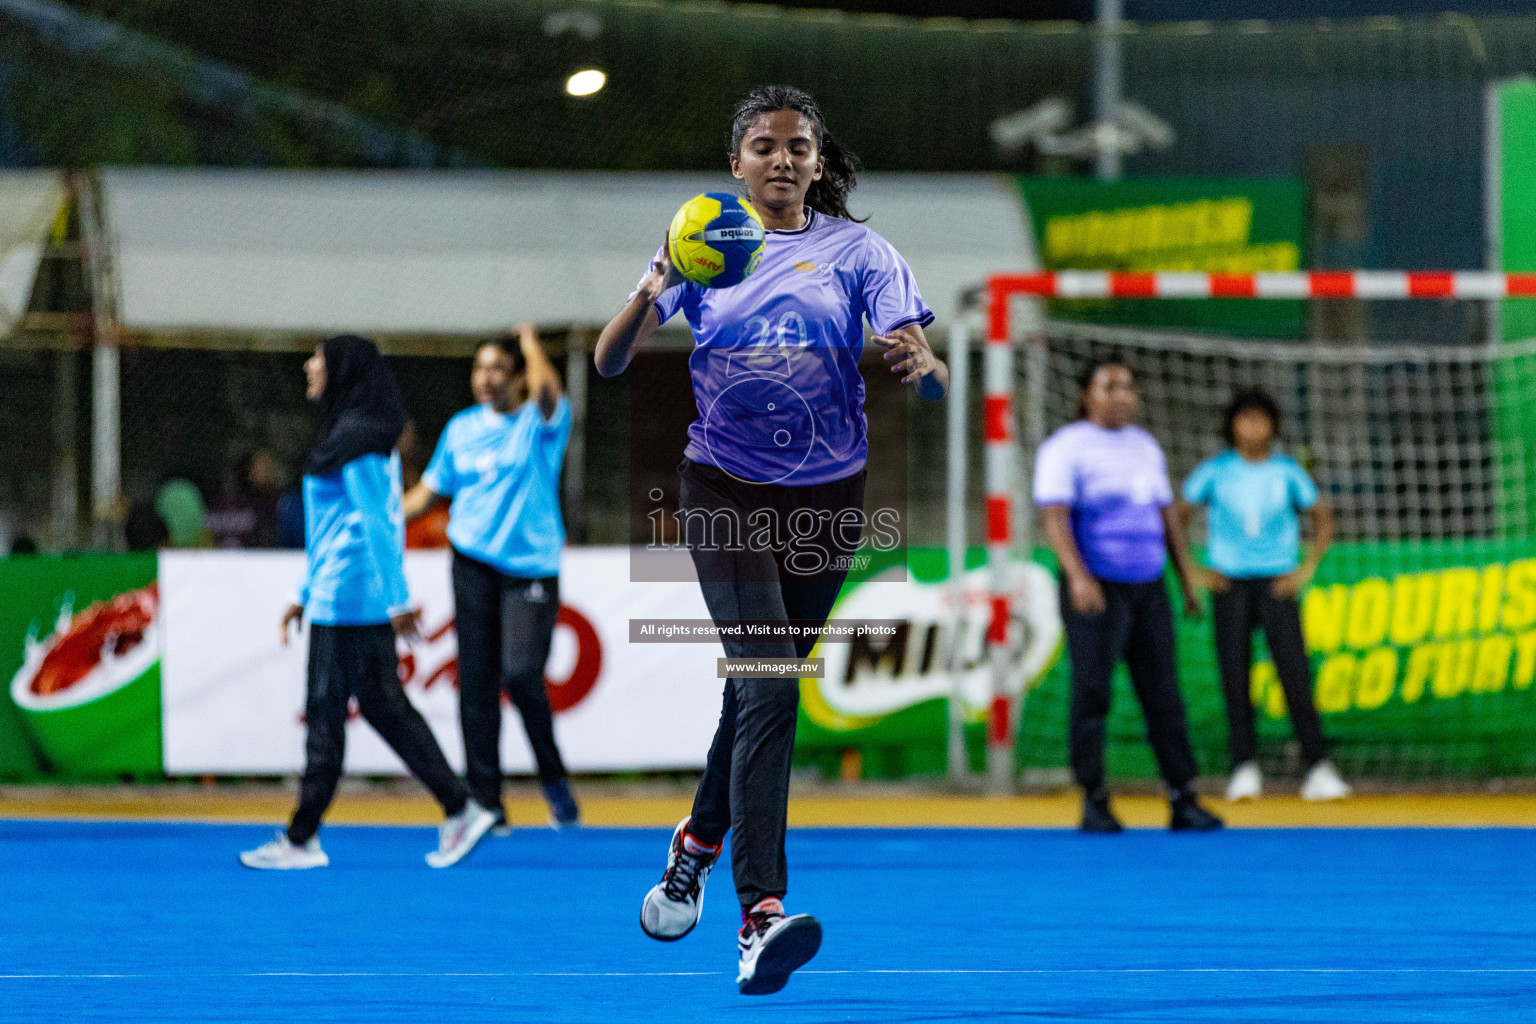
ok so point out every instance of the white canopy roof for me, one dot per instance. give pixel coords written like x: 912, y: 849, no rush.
x: 471, y: 253
x: 29, y: 202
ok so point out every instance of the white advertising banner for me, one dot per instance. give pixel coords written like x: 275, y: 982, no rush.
x: 29, y: 205
x: 233, y: 697
x: 468, y: 252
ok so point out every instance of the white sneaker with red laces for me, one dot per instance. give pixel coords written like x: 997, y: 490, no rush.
x: 773, y: 946
x: 281, y: 854
x: 673, y: 905
x: 457, y: 835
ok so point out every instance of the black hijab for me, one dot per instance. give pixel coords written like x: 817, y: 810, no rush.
x: 362, y: 411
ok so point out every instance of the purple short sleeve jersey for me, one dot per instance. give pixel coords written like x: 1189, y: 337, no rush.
x: 775, y: 363
x: 1116, y: 484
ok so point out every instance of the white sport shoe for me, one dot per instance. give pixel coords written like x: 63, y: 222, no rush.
x: 457, y: 835
x: 772, y: 946
x: 278, y: 854
x: 672, y: 907
x: 1246, y: 784
x: 1323, y: 783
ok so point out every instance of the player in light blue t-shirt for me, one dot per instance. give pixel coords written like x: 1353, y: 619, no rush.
x: 781, y: 439
x: 500, y: 462
x: 353, y: 592
x: 1253, y: 497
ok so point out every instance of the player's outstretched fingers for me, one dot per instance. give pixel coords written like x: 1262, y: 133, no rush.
x: 895, y: 349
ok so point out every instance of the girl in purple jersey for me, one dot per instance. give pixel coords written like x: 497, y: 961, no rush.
x: 1101, y: 484
x: 781, y: 439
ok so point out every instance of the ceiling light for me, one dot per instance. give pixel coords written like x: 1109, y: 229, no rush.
x: 585, y: 83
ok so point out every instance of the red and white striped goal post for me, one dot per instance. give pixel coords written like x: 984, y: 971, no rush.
x: 1114, y: 284
x: 1296, y: 284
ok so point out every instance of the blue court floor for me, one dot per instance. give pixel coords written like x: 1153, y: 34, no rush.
x: 158, y: 922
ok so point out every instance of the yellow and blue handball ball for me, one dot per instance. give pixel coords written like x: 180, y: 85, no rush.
x: 716, y: 240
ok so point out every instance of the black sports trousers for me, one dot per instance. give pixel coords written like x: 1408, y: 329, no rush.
x: 1244, y: 606
x: 1137, y: 625
x: 360, y: 661
x: 745, y: 788
x: 504, y: 624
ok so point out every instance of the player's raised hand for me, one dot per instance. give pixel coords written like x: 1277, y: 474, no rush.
x: 634, y: 323
x: 663, y: 276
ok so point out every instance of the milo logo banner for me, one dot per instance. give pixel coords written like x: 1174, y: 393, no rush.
x: 1423, y: 657
x: 80, y: 659
x: 887, y: 696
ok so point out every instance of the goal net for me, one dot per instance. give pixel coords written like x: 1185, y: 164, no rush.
x: 1421, y: 623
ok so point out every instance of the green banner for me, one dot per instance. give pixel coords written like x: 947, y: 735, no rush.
x: 1513, y: 135
x: 80, y: 659
x: 1235, y: 225
x: 1424, y: 659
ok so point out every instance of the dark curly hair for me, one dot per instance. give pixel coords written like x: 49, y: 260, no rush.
x: 513, y: 347
x: 1091, y: 370
x: 1243, y: 401
x: 839, y: 173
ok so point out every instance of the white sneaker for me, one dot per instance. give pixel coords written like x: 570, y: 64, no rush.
x: 672, y: 907
x: 773, y: 946
x: 1246, y: 784
x: 457, y: 835
x: 278, y: 854
x: 1323, y: 783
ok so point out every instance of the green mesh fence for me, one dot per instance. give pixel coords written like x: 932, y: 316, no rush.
x: 1422, y: 620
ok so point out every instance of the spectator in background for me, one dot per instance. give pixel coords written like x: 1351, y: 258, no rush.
x: 1252, y: 496
x: 232, y: 517
x: 259, y: 471
x: 143, y: 529
x: 1102, y: 487
x: 14, y: 539
x: 180, y: 506
x: 245, y: 516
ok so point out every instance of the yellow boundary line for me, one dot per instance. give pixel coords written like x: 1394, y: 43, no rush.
x: 817, y: 810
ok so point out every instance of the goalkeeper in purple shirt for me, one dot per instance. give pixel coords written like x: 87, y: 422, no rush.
x: 781, y: 437
x: 1101, y: 484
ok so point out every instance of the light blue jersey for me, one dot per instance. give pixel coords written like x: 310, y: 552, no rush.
x: 503, y: 472
x: 775, y: 363
x: 354, y: 535
x: 1251, y: 512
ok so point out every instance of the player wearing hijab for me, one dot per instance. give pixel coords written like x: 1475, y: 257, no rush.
x: 354, y: 593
